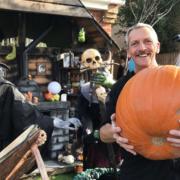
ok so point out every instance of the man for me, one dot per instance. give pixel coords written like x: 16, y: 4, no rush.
x: 142, y: 47
x: 16, y: 113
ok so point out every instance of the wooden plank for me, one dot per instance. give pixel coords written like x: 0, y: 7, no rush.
x: 11, y: 155
x: 65, y: 2
x: 17, y: 169
x: 42, y: 80
x: 39, y: 161
x: 110, y: 21
x: 111, y: 15
x: 10, y: 149
x: 113, y: 9
x: 45, y: 8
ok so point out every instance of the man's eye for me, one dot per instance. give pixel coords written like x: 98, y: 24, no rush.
x: 133, y: 44
x: 148, y: 42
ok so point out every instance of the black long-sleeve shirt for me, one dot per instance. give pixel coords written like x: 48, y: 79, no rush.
x: 138, y: 167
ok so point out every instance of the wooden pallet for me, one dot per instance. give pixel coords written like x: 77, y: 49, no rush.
x: 21, y: 155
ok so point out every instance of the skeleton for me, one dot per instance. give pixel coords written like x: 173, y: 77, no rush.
x: 95, y: 93
x: 91, y: 60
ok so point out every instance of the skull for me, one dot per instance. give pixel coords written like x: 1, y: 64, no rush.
x: 91, y: 59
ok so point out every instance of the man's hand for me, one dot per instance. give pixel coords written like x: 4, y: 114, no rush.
x: 175, y: 141
x: 107, y: 132
x: 123, y: 142
x: 111, y: 133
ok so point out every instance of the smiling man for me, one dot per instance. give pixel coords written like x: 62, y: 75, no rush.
x: 142, y: 46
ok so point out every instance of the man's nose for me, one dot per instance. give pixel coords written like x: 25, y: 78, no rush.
x: 142, y: 46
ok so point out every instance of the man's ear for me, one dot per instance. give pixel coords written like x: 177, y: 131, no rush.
x: 128, y: 55
x: 158, y: 48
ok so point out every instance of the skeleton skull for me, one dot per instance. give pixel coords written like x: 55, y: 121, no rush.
x: 91, y: 59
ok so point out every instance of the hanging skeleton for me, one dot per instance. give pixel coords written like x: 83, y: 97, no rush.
x: 91, y: 106
x: 99, y: 71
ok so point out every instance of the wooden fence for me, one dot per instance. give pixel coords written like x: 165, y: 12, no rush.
x: 168, y: 58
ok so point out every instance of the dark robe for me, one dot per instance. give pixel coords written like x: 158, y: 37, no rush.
x: 16, y: 114
x: 95, y: 152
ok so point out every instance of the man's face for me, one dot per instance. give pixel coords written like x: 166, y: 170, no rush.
x: 143, y: 47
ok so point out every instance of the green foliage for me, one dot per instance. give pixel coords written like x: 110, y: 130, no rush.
x: 66, y: 176
x: 160, y: 15
x: 165, y: 33
x: 91, y: 174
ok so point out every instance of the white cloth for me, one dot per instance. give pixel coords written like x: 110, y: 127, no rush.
x: 66, y: 124
x: 85, y: 90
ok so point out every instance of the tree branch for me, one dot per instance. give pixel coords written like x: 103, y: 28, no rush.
x: 131, y: 8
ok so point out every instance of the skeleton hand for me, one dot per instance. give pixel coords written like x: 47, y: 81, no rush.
x: 103, y: 80
x: 66, y: 124
x: 98, y: 78
x: 75, y: 122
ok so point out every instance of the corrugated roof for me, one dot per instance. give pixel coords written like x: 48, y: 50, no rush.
x: 56, y: 7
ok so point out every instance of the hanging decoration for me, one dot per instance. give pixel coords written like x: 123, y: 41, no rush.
x: 82, y: 36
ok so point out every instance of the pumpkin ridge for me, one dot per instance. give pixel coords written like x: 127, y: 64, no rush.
x: 171, y: 113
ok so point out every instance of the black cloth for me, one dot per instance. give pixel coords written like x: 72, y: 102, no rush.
x: 138, y: 167
x: 89, y: 113
x: 95, y: 152
x: 120, y: 71
x: 16, y: 115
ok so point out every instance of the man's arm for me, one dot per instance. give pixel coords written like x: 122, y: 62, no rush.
x: 107, y: 132
x: 110, y: 133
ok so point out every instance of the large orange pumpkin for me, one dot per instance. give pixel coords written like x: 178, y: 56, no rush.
x: 147, y: 108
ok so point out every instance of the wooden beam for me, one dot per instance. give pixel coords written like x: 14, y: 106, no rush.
x: 65, y: 2
x: 39, y: 161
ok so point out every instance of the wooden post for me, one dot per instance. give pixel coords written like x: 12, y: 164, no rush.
x: 39, y: 161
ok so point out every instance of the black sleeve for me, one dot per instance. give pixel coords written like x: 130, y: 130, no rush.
x: 16, y: 115
x: 113, y: 96
x: 25, y: 114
